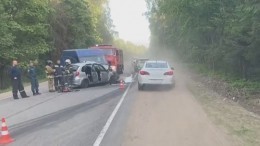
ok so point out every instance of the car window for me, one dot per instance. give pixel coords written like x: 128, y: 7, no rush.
x: 101, y: 68
x: 156, y: 65
x: 98, y: 59
x: 95, y: 67
x: 141, y: 63
x: 108, y: 51
x: 75, y: 67
x: 85, y: 66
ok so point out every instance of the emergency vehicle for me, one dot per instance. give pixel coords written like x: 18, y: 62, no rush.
x: 114, y: 56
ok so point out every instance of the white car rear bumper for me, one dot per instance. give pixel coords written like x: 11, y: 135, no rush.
x: 167, y: 80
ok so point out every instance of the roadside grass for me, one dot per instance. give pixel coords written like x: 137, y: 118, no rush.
x: 5, y: 90
x: 251, y: 87
x: 236, y: 121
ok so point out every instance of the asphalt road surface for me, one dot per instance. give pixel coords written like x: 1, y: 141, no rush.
x: 107, y: 116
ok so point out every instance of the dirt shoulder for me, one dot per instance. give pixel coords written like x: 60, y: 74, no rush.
x: 238, y: 122
x: 161, y: 117
x: 250, y: 100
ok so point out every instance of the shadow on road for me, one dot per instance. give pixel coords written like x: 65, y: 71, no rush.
x: 156, y: 88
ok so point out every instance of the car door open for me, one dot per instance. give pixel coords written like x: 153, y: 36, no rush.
x: 94, y: 74
x: 104, y: 74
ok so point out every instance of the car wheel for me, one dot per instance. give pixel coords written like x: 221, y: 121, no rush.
x: 140, y: 87
x: 84, y: 84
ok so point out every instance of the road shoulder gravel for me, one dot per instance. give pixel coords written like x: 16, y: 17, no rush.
x: 229, y: 116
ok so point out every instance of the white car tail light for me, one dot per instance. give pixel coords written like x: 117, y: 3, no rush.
x: 169, y: 73
x: 144, y: 72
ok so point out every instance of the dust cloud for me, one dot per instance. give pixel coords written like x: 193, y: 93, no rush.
x: 163, y: 116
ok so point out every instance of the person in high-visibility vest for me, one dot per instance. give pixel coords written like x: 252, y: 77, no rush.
x: 50, y: 75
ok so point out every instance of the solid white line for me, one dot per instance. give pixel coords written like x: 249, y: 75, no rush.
x: 110, y: 119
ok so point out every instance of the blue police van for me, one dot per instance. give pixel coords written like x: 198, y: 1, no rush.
x: 83, y: 55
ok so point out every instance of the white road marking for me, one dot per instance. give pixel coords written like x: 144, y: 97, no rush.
x: 110, y: 119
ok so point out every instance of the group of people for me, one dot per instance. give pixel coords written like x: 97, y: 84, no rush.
x: 57, y: 76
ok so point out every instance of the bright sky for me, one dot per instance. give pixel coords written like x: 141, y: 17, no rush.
x: 129, y: 20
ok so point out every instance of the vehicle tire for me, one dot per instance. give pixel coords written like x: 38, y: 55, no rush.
x: 140, y: 87
x: 84, y: 84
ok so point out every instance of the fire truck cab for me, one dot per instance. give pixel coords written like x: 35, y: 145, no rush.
x: 114, y: 56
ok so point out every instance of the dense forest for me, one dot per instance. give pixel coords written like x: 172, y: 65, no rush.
x: 37, y: 30
x: 221, y: 35
x: 41, y: 29
x: 31, y: 28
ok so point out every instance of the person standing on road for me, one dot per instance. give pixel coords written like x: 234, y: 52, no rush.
x: 58, y: 78
x: 68, y: 72
x: 33, y: 78
x: 16, y: 78
x: 50, y: 75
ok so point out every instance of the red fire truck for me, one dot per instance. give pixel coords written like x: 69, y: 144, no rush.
x: 114, y: 56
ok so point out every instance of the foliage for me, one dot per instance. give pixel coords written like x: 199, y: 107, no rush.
x: 79, y: 24
x: 221, y: 35
x: 41, y: 29
x: 23, y: 29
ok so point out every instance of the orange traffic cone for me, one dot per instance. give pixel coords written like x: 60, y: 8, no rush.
x: 121, y: 85
x: 5, y: 136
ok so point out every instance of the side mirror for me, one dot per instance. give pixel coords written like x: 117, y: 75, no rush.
x: 172, y: 68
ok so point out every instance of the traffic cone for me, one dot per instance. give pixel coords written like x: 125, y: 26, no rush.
x: 121, y: 85
x: 5, y: 136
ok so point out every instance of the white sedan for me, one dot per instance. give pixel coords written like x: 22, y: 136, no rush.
x: 156, y: 73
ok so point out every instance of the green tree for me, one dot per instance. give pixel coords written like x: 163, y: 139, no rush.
x: 221, y: 35
x: 79, y: 24
x: 24, y: 29
x: 24, y: 32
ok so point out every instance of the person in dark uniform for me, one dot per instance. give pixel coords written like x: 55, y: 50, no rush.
x: 98, y: 72
x: 68, y: 72
x: 88, y: 72
x: 33, y: 78
x: 58, y: 78
x: 16, y: 78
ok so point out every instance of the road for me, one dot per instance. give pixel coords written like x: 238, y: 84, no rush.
x: 171, y: 118
x: 148, y: 118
